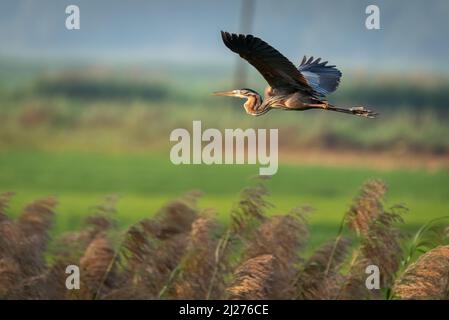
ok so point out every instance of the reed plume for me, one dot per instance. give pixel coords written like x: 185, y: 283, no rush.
x: 250, y: 209
x: 5, y: 198
x: 34, y: 226
x: 253, y: 279
x: 22, y: 248
x: 9, y: 235
x: 320, y: 278
x: 427, y: 278
x: 246, y: 216
x: 153, y: 248
x: 9, y: 275
x: 95, y: 265
x: 181, y: 254
x: 380, y: 242
x: 197, y: 266
x: 367, y: 206
x: 282, y: 236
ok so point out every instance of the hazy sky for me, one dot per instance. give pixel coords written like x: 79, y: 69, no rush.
x: 414, y: 34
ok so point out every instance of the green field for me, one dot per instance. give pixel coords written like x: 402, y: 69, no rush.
x: 77, y: 142
x: 145, y: 182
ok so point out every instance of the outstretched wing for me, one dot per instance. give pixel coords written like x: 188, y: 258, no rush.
x: 323, y: 78
x: 277, y: 70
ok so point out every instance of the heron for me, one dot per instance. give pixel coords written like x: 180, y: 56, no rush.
x: 289, y: 87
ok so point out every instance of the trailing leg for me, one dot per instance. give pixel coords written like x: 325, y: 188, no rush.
x: 358, y: 110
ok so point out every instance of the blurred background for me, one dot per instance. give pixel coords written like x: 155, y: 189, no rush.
x: 87, y: 113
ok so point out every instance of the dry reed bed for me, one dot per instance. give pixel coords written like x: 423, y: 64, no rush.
x: 184, y: 253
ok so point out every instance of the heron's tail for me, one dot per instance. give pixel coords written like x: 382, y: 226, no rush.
x: 358, y: 111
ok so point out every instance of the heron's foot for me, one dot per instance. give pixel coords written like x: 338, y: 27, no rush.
x: 363, y: 112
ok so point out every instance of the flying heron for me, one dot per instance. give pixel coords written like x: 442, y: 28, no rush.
x: 289, y: 88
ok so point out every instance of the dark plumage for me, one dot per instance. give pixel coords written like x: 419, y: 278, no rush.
x: 290, y: 88
x: 275, y: 68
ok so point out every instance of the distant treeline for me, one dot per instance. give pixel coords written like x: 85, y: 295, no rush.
x: 89, y: 88
x: 396, y: 94
x: 391, y: 92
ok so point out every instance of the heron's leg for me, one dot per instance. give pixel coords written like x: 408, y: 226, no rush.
x: 324, y: 105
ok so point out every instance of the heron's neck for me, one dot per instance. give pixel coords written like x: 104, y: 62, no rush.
x: 253, y: 103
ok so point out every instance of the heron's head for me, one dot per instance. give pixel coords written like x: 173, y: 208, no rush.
x: 253, y: 102
x: 239, y: 93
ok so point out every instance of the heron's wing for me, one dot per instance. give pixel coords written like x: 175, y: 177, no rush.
x: 321, y: 77
x: 277, y: 70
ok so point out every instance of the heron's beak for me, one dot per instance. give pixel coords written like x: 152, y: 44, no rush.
x: 224, y: 93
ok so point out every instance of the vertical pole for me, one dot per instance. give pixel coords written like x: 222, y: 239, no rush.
x: 245, y: 26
